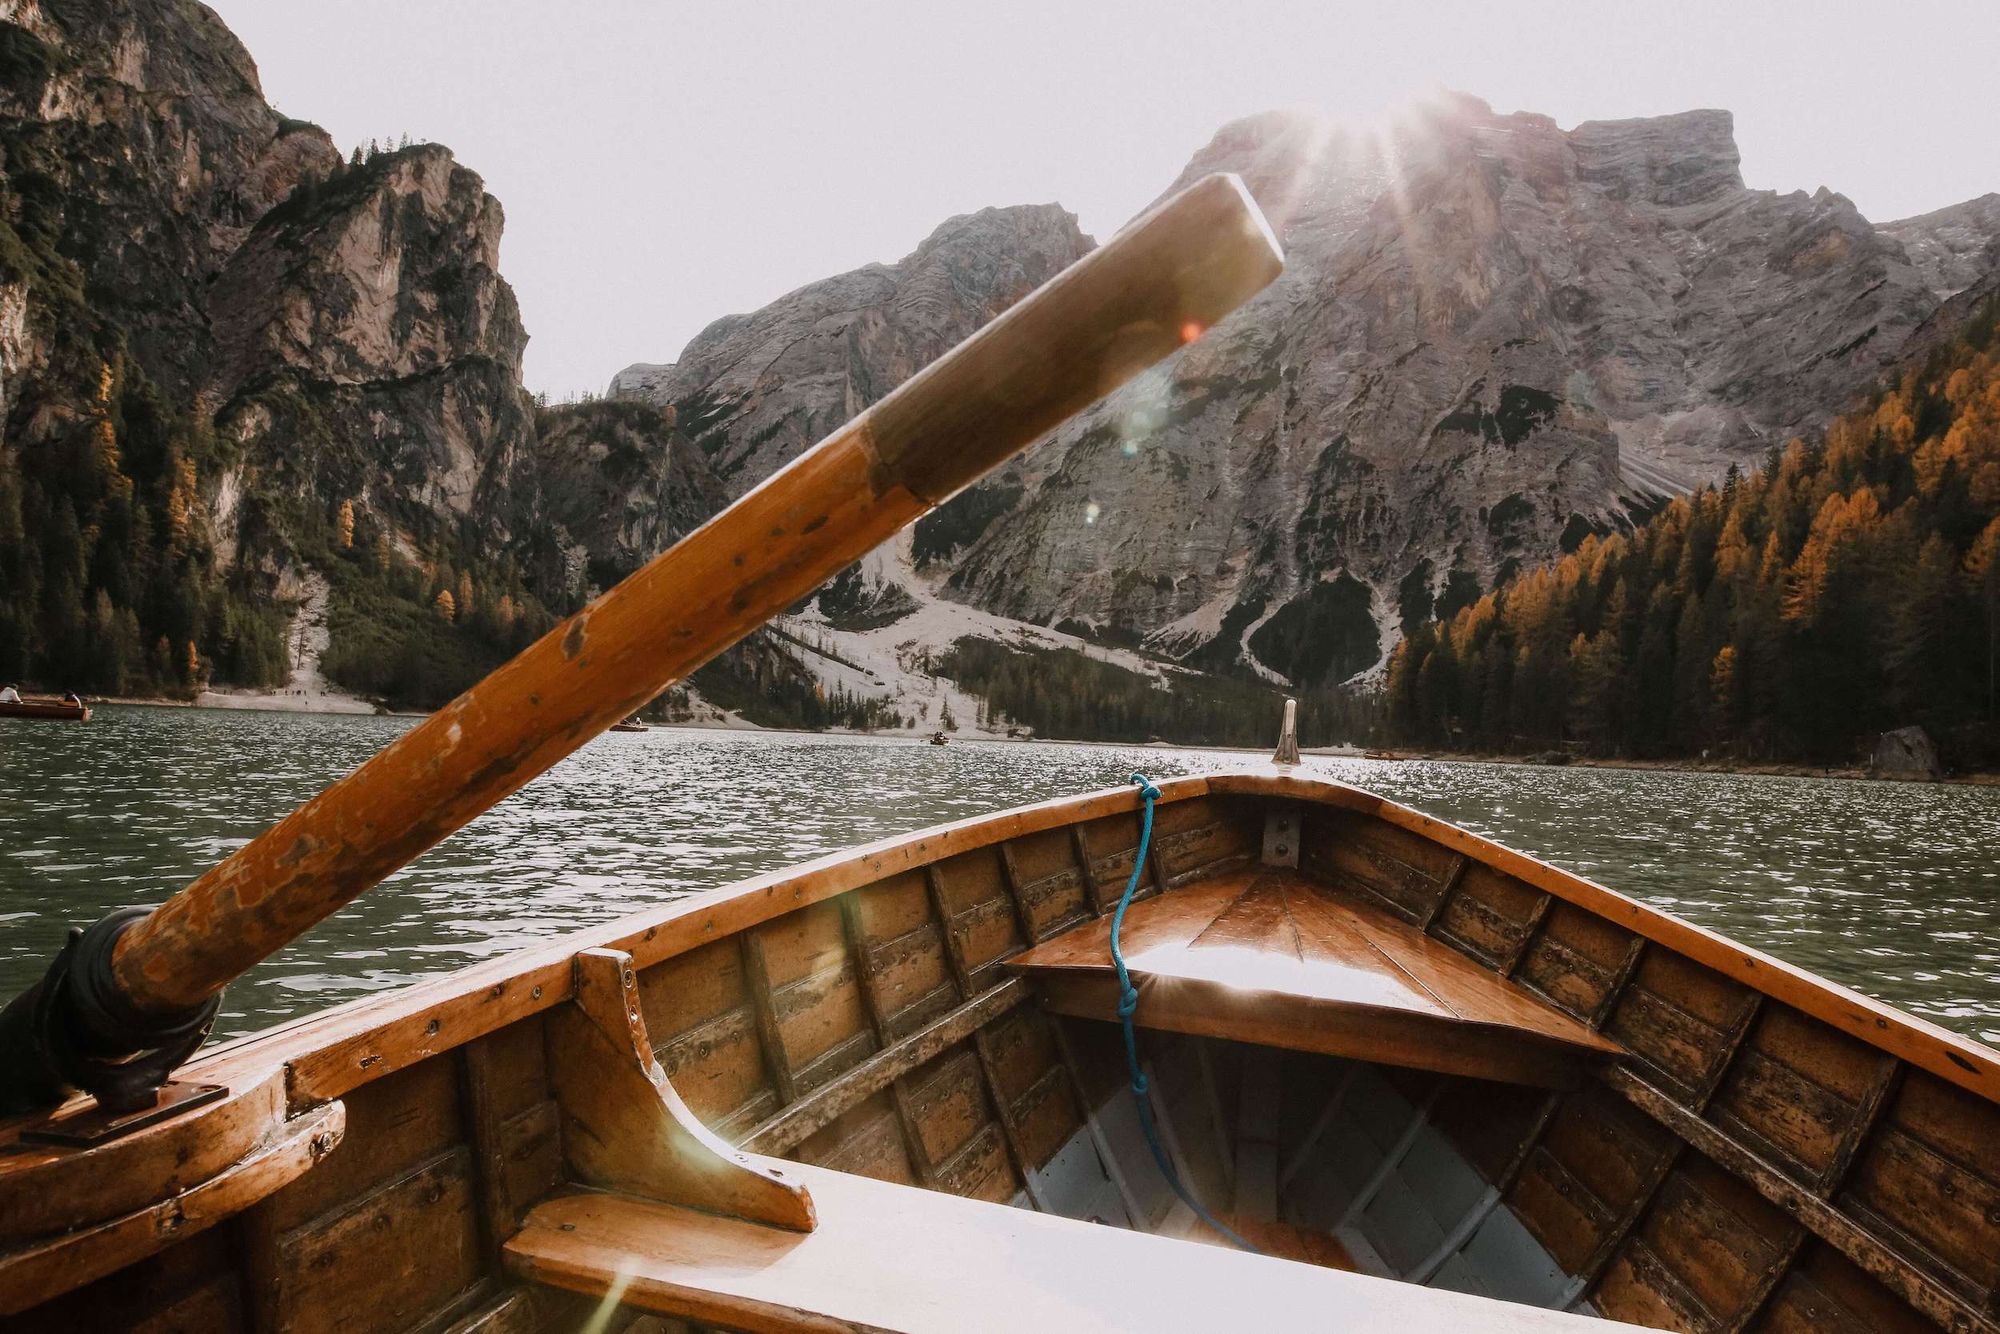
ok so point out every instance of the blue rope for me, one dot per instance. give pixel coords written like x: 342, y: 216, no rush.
x: 1128, y: 1005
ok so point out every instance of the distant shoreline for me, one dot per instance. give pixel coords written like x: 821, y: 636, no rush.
x: 1980, y: 778
x: 231, y: 701
x: 281, y: 704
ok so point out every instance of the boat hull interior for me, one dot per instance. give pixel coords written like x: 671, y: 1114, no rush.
x: 1379, y: 1048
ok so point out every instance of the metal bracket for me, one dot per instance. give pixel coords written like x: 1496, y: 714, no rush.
x: 1281, y: 835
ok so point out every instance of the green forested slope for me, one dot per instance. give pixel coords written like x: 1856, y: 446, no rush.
x: 1791, y: 614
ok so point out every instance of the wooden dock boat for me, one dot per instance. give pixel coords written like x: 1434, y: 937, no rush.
x: 1428, y: 1081
x: 61, y: 710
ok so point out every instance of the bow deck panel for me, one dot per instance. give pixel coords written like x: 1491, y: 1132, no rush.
x: 1271, y: 957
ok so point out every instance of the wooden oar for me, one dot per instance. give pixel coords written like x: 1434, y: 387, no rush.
x: 1168, y: 276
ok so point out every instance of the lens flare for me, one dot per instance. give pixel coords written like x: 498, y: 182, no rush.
x: 1091, y: 511
x: 1142, y: 409
x: 1190, y: 331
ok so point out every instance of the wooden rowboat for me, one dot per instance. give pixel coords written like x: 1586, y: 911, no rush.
x: 45, y: 708
x: 886, y: 1090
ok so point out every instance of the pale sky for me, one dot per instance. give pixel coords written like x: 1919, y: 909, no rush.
x: 663, y: 164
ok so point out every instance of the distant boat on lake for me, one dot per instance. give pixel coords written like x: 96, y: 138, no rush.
x: 75, y: 711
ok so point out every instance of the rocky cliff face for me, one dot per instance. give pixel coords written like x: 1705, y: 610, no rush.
x: 1954, y: 248
x: 604, y: 487
x: 233, y: 365
x: 368, y: 349
x: 753, y: 391
x: 1493, y: 337
x: 138, y: 153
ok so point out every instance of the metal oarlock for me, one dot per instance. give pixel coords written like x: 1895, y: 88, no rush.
x: 73, y: 1031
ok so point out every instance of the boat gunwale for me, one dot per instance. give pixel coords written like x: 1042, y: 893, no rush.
x: 364, y: 1039
x: 650, y: 936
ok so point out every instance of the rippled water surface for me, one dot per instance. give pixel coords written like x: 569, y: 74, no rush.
x: 1892, y: 889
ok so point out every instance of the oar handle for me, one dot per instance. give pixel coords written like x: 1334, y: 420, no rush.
x: 1161, y: 281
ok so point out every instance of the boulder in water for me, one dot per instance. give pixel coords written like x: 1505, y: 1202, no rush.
x: 1907, y: 752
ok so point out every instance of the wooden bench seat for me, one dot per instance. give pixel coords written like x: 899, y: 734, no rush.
x: 1272, y: 958
x: 893, y: 1257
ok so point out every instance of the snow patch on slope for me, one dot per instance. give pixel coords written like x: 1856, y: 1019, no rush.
x: 894, y: 662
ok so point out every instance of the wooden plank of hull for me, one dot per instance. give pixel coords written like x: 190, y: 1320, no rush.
x: 1948, y: 1309
x: 802, y: 1118
x: 891, y: 1257
x: 55, y: 1265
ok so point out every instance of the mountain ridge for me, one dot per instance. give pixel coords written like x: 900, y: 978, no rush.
x: 1494, y: 336
x: 235, y: 367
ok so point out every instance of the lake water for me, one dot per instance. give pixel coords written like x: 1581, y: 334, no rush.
x: 1893, y: 889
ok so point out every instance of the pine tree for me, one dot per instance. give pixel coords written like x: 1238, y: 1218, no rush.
x: 1596, y: 668
x: 181, y: 501
x: 1724, y: 697
x: 1982, y: 569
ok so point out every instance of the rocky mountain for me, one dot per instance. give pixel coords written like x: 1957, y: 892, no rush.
x: 365, y: 319
x: 237, y: 368
x: 241, y: 371
x: 753, y: 391
x: 139, y: 152
x: 1494, y: 336
x: 230, y: 256
x: 604, y: 487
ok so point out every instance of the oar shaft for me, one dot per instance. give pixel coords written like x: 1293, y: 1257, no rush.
x: 1169, y: 275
